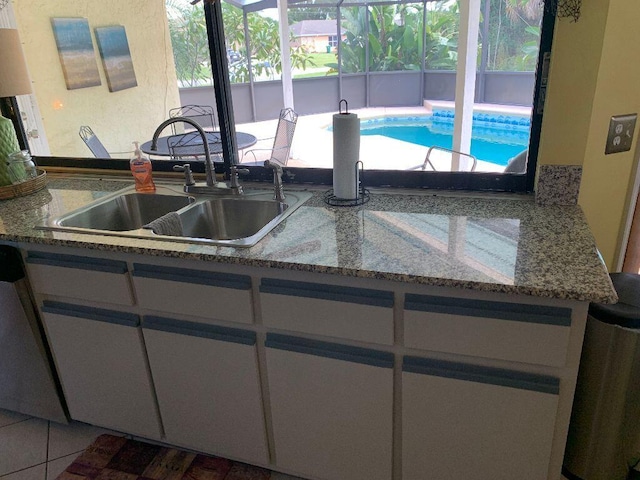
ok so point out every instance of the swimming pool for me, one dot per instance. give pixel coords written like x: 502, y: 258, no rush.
x: 495, y: 138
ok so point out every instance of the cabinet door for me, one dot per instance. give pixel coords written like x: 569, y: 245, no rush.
x: 208, y: 388
x: 330, y: 310
x: 331, y: 408
x: 102, y: 364
x: 463, y: 421
x: 84, y: 278
x: 208, y: 295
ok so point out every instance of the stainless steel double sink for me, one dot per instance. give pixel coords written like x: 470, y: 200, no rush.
x: 231, y: 220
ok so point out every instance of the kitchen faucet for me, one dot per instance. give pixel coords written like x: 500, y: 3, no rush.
x: 211, y: 186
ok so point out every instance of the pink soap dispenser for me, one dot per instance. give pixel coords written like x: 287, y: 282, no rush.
x: 141, y: 170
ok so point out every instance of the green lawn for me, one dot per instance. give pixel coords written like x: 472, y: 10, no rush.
x: 321, y: 59
x: 313, y: 74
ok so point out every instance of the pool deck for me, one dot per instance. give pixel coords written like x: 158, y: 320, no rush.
x: 313, y: 143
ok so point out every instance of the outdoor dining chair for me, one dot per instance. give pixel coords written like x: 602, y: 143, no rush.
x: 281, y: 141
x: 203, y: 115
x: 93, y: 142
x: 466, y: 160
x: 188, y: 147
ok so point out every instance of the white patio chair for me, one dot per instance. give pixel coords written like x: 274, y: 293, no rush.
x: 281, y: 141
x: 435, y: 151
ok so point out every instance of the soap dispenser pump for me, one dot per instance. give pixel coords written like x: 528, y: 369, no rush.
x: 141, y: 170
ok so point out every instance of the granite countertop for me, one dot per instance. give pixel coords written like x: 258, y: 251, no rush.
x: 495, y: 243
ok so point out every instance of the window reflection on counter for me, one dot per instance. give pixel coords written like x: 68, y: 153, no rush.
x: 487, y: 246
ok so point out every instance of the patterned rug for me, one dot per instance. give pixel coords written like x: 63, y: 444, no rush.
x: 117, y: 458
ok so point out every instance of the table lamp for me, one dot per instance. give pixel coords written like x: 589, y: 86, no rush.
x: 14, y: 80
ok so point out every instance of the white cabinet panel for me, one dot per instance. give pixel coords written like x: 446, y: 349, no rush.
x: 506, y: 331
x: 463, y: 421
x: 208, y: 388
x: 83, y: 278
x: 331, y: 408
x: 208, y: 295
x: 101, y: 361
x: 330, y: 310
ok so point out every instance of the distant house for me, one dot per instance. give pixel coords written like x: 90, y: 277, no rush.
x: 316, y: 35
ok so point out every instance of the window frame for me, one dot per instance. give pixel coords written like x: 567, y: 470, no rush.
x: 510, y: 182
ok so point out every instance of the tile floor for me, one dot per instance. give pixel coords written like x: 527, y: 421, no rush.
x: 36, y: 449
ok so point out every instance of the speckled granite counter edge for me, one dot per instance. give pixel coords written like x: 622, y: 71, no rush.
x: 169, y: 252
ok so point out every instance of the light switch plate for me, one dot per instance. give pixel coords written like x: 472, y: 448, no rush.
x: 620, y: 136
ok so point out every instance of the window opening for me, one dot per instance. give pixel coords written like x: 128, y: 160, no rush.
x: 387, y: 56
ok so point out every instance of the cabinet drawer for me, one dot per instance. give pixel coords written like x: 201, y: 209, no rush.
x: 331, y: 408
x: 101, y: 359
x: 464, y: 421
x: 83, y: 278
x: 330, y: 310
x: 209, y: 295
x: 208, y: 387
x: 507, y: 331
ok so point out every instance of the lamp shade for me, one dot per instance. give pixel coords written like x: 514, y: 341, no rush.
x: 14, y: 77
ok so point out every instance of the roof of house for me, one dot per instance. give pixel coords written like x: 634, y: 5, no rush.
x: 312, y: 28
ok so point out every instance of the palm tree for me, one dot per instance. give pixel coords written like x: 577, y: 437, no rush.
x: 515, y: 28
x: 526, y: 9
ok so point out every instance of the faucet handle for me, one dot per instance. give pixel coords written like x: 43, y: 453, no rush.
x: 242, y: 171
x: 188, y: 176
x: 233, y: 177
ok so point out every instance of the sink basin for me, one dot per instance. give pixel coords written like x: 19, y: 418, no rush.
x: 231, y: 220
x: 129, y: 211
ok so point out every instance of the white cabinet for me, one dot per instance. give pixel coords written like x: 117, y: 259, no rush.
x: 102, y: 364
x: 83, y: 278
x: 201, y: 293
x: 536, y: 334
x: 465, y: 421
x: 208, y: 389
x: 330, y: 310
x: 331, y: 408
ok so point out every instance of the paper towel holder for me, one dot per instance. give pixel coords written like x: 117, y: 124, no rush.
x: 363, y: 194
x: 346, y: 107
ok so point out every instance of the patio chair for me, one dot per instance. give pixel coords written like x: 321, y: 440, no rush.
x: 202, y: 114
x: 281, y: 141
x: 93, y: 142
x: 428, y: 160
x: 518, y: 164
x: 188, y: 147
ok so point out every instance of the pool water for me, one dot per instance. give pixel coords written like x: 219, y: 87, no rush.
x: 495, y: 138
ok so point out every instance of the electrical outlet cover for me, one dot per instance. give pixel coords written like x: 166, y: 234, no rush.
x: 620, y: 136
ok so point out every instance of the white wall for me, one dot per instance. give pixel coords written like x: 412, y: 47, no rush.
x: 117, y: 118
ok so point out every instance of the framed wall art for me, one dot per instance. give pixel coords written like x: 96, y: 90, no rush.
x: 77, y: 55
x: 116, y: 57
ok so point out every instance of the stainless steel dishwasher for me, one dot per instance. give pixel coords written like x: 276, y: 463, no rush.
x: 28, y: 383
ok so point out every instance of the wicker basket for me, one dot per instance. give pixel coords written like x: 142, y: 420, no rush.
x: 24, y: 188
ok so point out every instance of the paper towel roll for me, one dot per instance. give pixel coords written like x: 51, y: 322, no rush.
x: 346, y: 153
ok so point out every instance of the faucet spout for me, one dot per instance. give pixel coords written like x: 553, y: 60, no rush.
x: 208, y: 163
